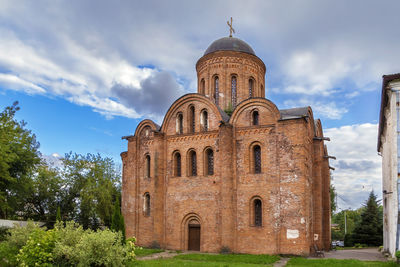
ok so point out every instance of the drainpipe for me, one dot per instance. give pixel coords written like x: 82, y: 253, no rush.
x: 398, y: 165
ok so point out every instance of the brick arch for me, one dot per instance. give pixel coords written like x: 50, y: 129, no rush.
x: 252, y: 103
x: 252, y: 210
x: 186, y: 220
x: 211, y: 107
x: 146, y: 123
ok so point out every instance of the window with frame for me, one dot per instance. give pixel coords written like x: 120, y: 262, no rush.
x: 179, y: 123
x: 202, y: 87
x: 147, y: 166
x: 251, y: 84
x: 192, y: 163
x: 146, y: 204
x: 177, y: 164
x: 233, y: 90
x: 192, y: 121
x: 257, y: 158
x: 257, y: 206
x: 216, y: 90
x: 204, y: 120
x: 209, y: 162
x: 255, y: 117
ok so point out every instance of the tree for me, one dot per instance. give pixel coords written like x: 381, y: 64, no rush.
x: 369, y: 230
x: 332, y: 192
x: 44, y: 195
x: 91, y: 186
x: 118, y: 223
x: 19, y: 157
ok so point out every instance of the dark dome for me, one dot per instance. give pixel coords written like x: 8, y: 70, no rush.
x: 229, y: 44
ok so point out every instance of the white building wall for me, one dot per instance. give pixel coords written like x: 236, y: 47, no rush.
x: 390, y: 169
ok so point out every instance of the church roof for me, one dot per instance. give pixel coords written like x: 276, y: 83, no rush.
x: 294, y: 113
x: 229, y: 44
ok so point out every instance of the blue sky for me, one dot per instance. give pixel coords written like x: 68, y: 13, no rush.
x: 86, y: 72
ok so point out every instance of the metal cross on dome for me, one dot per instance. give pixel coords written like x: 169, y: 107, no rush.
x: 231, y: 29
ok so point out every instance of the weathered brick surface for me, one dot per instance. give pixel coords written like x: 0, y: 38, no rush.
x: 293, y: 184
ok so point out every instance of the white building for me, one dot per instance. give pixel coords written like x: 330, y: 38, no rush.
x: 388, y: 147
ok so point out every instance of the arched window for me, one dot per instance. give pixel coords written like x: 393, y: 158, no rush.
x: 233, y: 89
x: 177, y: 164
x: 202, y: 87
x: 192, y: 160
x: 257, y: 206
x: 254, y: 117
x: 204, y: 120
x: 209, y: 162
x: 147, y: 166
x: 251, y: 84
x: 146, y: 204
x: 192, y: 121
x: 216, y: 90
x: 257, y: 159
x: 179, y: 123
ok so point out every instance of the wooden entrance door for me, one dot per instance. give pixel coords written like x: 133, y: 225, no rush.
x: 194, y: 237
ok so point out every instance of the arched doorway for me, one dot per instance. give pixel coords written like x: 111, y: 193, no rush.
x: 194, y: 235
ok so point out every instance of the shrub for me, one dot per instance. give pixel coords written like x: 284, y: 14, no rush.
x: 225, y: 250
x: 38, y: 250
x: 155, y: 245
x: 3, y: 233
x: 103, y: 248
x: 380, y: 249
x: 15, y: 240
x: 397, y: 254
x: 69, y: 236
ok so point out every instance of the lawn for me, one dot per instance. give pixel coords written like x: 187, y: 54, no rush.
x: 337, y: 263
x: 221, y: 260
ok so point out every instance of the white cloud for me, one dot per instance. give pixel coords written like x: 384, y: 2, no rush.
x: 15, y: 83
x: 358, y: 166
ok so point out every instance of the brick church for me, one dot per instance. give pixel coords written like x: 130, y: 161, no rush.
x: 227, y: 169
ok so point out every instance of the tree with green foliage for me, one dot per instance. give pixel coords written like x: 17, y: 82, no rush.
x: 369, y: 230
x: 19, y: 157
x: 332, y: 192
x: 58, y: 215
x: 91, y: 185
x: 118, y: 223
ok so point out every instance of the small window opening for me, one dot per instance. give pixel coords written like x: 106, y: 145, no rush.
x: 257, y: 158
x: 147, y: 166
x: 192, y: 163
x: 192, y: 123
x: 204, y: 120
x: 179, y: 123
x: 257, y: 212
x: 202, y: 87
x: 146, y: 204
x: 234, y: 89
x: 255, y: 117
x: 209, y: 160
x: 216, y: 90
x: 177, y: 164
x: 251, y: 83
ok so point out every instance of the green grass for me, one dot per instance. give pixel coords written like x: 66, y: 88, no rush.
x: 230, y: 258
x: 338, y: 263
x: 211, y: 260
x: 147, y: 251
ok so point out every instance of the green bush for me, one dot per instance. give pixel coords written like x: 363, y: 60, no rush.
x: 67, y: 245
x: 38, y: 250
x: 15, y: 240
x: 397, y: 254
x: 103, y: 248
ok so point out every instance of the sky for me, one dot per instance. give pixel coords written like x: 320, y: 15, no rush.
x: 86, y: 73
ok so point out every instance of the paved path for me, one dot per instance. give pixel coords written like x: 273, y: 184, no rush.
x: 162, y: 255
x: 365, y: 254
